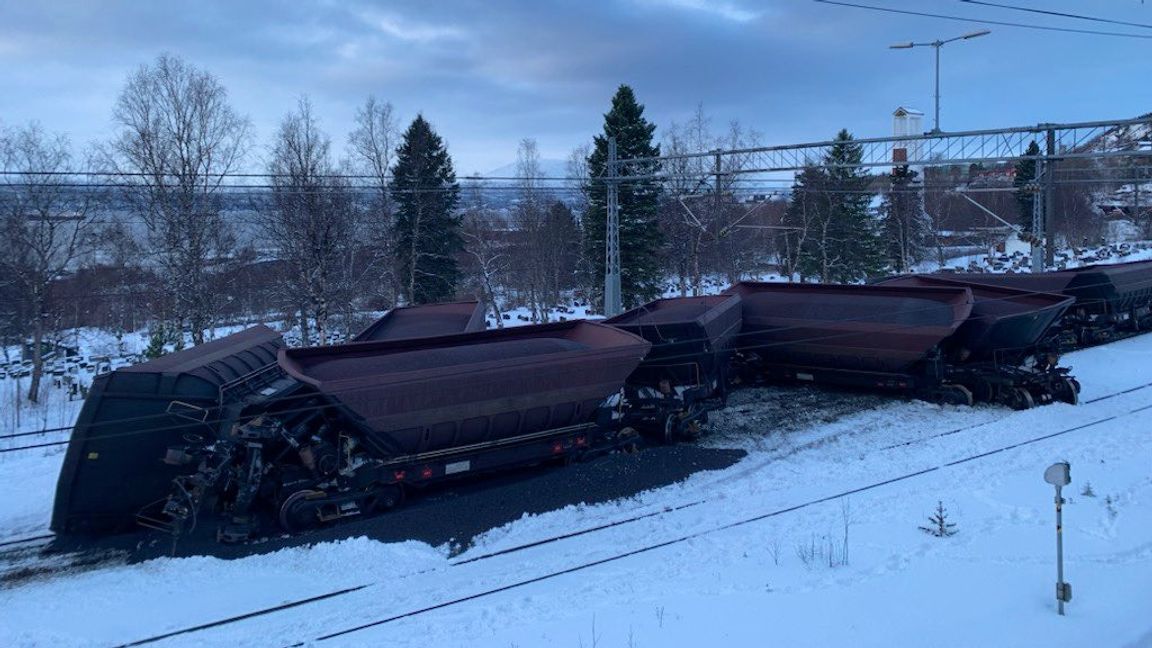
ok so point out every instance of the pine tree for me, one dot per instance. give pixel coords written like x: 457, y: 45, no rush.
x: 425, y: 193
x: 939, y: 525
x: 840, y: 238
x: 1025, y: 174
x: 640, y: 236
x: 904, y: 225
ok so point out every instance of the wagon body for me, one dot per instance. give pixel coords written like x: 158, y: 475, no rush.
x: 1003, y: 318
x: 421, y: 395
x: 1099, y: 289
x: 426, y: 320
x: 691, y: 338
x: 872, y: 329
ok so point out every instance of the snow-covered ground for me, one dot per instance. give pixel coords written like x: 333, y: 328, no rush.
x: 812, y: 539
x: 1015, y: 257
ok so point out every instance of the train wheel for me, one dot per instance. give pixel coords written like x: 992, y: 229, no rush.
x: 958, y: 395
x: 1067, y: 390
x: 983, y: 391
x: 1020, y: 399
x: 299, y: 512
x: 389, y: 497
x: 671, y: 429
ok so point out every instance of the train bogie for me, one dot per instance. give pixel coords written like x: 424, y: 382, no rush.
x: 135, y: 416
x: 684, y: 375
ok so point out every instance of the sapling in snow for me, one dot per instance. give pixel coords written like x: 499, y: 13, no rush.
x: 939, y: 525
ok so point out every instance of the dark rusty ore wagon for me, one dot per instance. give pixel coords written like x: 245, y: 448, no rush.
x: 1003, y: 351
x: 1110, y: 299
x: 425, y: 320
x: 684, y: 375
x: 879, y: 336
x: 331, y: 432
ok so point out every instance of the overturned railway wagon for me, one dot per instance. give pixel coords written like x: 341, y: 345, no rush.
x: 114, y: 465
x: 892, y: 337
x: 684, y: 375
x: 425, y: 320
x: 330, y: 432
x: 1110, y: 299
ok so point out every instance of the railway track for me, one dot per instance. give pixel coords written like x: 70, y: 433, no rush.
x: 43, y: 538
x: 634, y: 519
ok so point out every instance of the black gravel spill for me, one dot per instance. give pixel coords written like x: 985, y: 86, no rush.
x: 458, y: 512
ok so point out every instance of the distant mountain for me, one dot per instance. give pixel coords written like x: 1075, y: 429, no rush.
x: 549, y: 168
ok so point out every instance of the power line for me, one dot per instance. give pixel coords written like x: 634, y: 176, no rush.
x: 1061, y: 14
x: 1002, y: 23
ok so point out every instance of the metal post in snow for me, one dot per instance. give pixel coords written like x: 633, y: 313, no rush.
x: 1037, y: 219
x: 1059, y: 475
x: 1049, y: 197
x: 613, y: 301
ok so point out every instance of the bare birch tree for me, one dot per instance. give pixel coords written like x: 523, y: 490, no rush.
x: 701, y: 214
x: 312, y: 221
x: 372, y: 148
x: 531, y: 272
x: 486, y: 250
x: 178, y: 140
x: 46, y: 227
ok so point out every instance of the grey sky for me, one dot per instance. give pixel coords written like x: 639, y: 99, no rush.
x: 487, y: 74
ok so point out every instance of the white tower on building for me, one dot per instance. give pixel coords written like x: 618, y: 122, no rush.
x: 907, y: 122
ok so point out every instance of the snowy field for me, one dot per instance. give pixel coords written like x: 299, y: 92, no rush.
x: 811, y: 540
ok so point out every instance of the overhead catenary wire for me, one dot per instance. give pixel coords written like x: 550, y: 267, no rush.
x: 982, y: 21
x: 894, y: 327
x: 1060, y: 14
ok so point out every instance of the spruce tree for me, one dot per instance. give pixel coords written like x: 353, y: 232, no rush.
x: 640, y: 236
x: 425, y: 193
x: 1025, y: 174
x: 841, y: 241
x: 904, y: 227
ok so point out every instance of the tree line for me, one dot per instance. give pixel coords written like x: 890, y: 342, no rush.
x: 160, y: 238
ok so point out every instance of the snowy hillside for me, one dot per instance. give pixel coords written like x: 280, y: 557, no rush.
x: 812, y: 539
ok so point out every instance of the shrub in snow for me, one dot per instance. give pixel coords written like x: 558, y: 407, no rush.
x: 939, y: 525
x: 1110, y: 504
x: 1088, y: 492
x: 822, y: 552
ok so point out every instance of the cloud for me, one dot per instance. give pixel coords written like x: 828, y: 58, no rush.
x: 726, y: 10
x: 490, y: 72
x: 409, y: 30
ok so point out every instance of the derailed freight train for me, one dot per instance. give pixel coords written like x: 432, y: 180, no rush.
x: 257, y: 436
x: 331, y: 432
